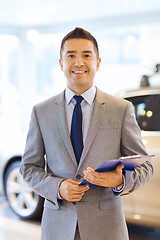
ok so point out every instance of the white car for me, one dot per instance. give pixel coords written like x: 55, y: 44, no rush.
x: 23, y: 200
x: 143, y: 206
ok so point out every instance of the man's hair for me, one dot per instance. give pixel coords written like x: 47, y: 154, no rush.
x: 79, y: 33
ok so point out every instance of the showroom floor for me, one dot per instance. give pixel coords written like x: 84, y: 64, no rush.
x: 11, y: 227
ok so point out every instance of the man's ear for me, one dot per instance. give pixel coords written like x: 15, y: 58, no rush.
x: 98, y: 64
x: 61, y: 65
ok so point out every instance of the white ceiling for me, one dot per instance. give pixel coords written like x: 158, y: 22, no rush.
x: 42, y: 13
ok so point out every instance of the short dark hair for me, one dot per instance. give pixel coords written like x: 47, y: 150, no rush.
x: 79, y: 33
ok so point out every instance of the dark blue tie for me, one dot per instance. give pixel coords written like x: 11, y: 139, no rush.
x: 76, y: 128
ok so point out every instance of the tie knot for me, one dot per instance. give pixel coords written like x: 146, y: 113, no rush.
x: 78, y: 99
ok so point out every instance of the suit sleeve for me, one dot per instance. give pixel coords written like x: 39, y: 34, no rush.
x: 33, y: 166
x: 131, y: 144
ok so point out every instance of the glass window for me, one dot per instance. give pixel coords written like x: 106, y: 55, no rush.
x: 49, y: 79
x: 147, y: 110
x: 10, y: 125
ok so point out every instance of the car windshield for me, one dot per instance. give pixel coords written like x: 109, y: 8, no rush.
x: 147, y: 110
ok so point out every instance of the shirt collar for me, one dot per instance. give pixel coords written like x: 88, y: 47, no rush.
x: 89, y: 95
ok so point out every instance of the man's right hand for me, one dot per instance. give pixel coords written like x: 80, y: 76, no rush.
x: 71, y: 191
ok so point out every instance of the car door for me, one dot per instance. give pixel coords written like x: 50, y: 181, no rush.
x: 145, y: 202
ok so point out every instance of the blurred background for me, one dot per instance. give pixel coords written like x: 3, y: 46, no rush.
x: 128, y: 33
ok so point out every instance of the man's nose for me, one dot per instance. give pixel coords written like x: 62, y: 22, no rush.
x: 79, y: 62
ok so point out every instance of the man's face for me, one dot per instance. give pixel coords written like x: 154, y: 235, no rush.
x: 79, y: 63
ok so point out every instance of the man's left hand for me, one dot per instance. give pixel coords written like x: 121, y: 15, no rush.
x: 105, y: 179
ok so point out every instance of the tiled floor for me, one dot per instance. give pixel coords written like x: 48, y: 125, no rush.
x: 11, y: 227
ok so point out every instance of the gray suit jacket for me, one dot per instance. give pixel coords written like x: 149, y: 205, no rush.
x: 49, y: 159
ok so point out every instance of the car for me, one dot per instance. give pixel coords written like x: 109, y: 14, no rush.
x: 22, y: 199
x: 143, y: 205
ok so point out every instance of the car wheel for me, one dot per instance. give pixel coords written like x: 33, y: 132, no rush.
x: 22, y: 199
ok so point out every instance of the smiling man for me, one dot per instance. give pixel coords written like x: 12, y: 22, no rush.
x: 79, y: 62
x: 70, y: 135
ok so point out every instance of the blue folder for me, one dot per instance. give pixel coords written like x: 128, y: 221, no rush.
x: 129, y: 162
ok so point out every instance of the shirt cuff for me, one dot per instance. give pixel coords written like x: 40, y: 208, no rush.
x: 58, y: 196
x: 120, y: 188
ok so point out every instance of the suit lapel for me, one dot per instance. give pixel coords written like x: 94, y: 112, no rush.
x: 96, y: 120
x: 62, y: 124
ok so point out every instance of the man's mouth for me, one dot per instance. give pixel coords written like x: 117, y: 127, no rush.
x: 79, y: 71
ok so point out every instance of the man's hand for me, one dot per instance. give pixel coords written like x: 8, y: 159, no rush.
x: 105, y: 179
x: 71, y: 191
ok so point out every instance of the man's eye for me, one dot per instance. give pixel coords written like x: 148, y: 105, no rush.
x: 87, y: 56
x: 71, y: 56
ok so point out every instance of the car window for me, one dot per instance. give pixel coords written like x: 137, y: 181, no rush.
x: 147, y: 110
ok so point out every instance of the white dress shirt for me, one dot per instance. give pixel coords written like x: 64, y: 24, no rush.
x: 86, y: 106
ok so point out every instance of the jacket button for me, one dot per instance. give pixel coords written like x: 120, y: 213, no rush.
x: 78, y: 177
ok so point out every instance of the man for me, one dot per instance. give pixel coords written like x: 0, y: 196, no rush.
x: 106, y: 130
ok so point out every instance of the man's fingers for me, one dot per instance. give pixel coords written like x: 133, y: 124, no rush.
x: 75, y: 185
x: 106, y: 179
x: 81, y: 189
x: 84, y: 187
x: 119, y: 167
x: 76, y: 198
x: 72, y: 181
x: 70, y: 189
x: 90, y: 175
x: 90, y: 172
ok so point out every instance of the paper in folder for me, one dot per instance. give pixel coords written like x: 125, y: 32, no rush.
x: 129, y: 162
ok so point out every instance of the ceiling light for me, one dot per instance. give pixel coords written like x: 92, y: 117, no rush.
x: 32, y: 35
x: 131, y: 39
